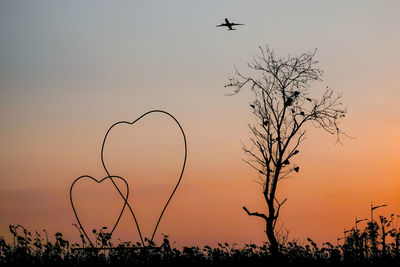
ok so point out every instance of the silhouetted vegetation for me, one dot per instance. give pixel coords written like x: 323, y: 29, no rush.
x: 376, y: 244
x: 283, y: 108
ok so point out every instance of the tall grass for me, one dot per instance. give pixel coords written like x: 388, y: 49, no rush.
x: 377, y: 243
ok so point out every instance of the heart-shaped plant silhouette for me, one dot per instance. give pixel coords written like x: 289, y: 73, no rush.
x: 97, y: 181
x: 115, y: 185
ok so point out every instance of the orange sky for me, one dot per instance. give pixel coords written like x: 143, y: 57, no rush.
x: 70, y: 71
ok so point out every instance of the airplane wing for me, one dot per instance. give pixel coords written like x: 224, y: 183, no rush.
x: 229, y: 25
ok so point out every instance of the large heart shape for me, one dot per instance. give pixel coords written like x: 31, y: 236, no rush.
x: 115, y: 185
x: 97, y: 181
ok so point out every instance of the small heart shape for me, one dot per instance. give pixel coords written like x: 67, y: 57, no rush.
x: 97, y: 181
x: 180, y: 176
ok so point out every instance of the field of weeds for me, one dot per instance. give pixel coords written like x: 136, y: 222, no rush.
x: 377, y: 243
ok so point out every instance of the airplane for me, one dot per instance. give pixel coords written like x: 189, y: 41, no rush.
x: 229, y: 25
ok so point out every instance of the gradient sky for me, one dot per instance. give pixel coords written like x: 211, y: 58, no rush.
x: 70, y: 69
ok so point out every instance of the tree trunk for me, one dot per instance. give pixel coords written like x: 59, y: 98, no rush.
x: 271, y: 237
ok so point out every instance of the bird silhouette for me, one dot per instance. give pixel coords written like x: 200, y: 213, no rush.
x: 289, y: 101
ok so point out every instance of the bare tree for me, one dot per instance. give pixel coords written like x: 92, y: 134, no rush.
x: 283, y: 107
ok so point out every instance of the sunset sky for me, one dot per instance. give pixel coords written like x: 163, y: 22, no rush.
x: 70, y: 69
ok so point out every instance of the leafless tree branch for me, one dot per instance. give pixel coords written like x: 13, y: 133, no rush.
x: 283, y: 110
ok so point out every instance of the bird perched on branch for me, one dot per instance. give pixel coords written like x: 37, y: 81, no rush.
x: 289, y: 101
